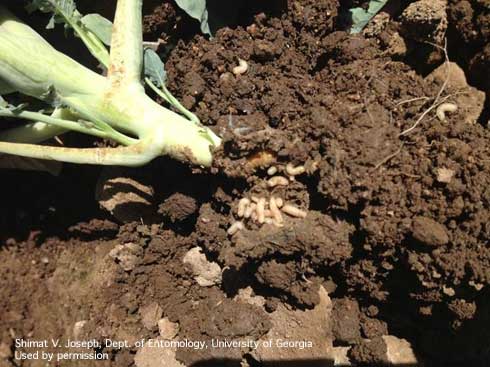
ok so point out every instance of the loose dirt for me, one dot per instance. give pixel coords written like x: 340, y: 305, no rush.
x: 399, y: 251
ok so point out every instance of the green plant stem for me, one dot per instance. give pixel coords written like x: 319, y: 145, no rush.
x: 94, y: 45
x: 126, y: 55
x: 37, y: 132
x: 92, y: 42
x: 69, y: 125
x: 131, y: 156
x: 169, y: 98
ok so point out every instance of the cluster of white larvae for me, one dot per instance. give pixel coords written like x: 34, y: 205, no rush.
x: 270, y: 210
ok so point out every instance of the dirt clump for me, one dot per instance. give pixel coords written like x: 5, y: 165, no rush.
x: 346, y: 321
x: 372, y: 327
x: 425, y: 21
x: 178, y: 207
x: 125, y: 195
x: 429, y: 232
x: 469, y: 24
x: 369, y: 352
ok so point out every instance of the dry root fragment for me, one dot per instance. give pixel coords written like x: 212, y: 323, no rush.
x: 272, y: 171
x: 242, y: 206
x: 261, y: 210
x: 241, y: 68
x: 278, y: 181
x: 294, y: 171
x: 235, y: 227
x: 445, y: 107
x: 275, y: 212
x: 293, y: 211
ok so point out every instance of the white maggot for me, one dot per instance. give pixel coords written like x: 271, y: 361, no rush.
x: 250, y: 210
x: 294, y: 171
x: 276, y: 213
x: 235, y: 227
x: 241, y: 68
x: 261, y: 210
x: 242, y: 206
x: 293, y: 211
x: 444, y: 108
x: 277, y: 181
x: 272, y: 171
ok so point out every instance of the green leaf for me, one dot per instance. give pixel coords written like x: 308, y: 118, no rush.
x: 3, y: 103
x: 154, y: 68
x: 99, y: 26
x: 65, y: 7
x: 197, y: 9
x: 64, y: 11
x: 361, y: 17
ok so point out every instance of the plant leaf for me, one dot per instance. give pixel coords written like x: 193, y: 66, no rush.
x: 197, y: 9
x: 64, y: 11
x: 51, y: 6
x: 99, y: 26
x: 361, y: 17
x: 154, y: 68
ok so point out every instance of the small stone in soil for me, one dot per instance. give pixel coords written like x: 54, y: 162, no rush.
x: 168, y: 329
x: 150, y: 315
x: 429, y: 232
x: 206, y: 273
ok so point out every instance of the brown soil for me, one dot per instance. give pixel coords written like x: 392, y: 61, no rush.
x: 469, y: 35
x: 399, y: 250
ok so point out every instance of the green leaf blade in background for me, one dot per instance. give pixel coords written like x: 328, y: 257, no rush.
x: 197, y: 9
x: 99, y: 26
x: 154, y: 68
x: 361, y: 17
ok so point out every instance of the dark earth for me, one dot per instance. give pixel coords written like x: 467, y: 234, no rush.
x: 400, y: 249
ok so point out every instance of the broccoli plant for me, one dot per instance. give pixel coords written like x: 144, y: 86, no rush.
x: 78, y: 99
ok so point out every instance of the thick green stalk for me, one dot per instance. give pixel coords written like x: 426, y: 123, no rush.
x: 68, y: 125
x: 31, y: 66
x: 134, y: 155
x: 169, y: 98
x: 126, y: 56
x: 37, y: 132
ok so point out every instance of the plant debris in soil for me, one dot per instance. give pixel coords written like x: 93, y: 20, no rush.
x: 396, y: 226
